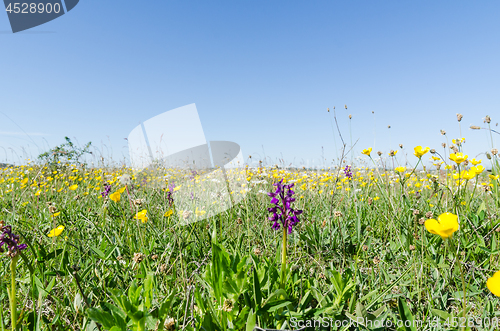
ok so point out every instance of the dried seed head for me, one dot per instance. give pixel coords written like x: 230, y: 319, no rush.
x: 400, y: 145
x: 337, y: 213
x: 163, y: 268
x: 228, y: 305
x: 444, y: 145
x: 138, y: 257
x: 365, y: 248
x: 170, y: 324
x: 429, y: 214
x: 345, y: 106
x: 421, y: 221
x: 494, y: 151
x: 475, y: 127
x: 487, y: 119
x: 257, y: 251
x: 322, y: 276
x: 459, y: 117
x: 388, y: 126
x: 443, y: 132
x: 376, y: 260
x: 379, y: 153
x: 52, y: 209
x: 416, y: 212
x: 412, y: 248
x: 239, y: 220
x: 154, y: 257
x: 370, y: 201
x: 350, y: 116
x: 328, y: 109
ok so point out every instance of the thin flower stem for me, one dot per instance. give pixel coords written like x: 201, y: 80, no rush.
x: 283, y: 257
x: 12, y: 296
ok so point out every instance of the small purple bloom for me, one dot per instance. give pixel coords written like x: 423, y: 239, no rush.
x: 11, y: 241
x: 347, y: 171
x: 107, y: 189
x: 282, y: 210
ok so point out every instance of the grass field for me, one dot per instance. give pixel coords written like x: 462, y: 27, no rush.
x: 380, y: 244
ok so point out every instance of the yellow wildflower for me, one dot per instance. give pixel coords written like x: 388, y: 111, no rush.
x: 367, y: 151
x: 458, y: 157
x: 142, y: 216
x: 419, y: 151
x: 444, y: 226
x: 493, y: 284
x: 56, y: 232
x: 115, y: 196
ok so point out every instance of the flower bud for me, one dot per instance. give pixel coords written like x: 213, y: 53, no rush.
x: 459, y: 117
x: 433, y: 151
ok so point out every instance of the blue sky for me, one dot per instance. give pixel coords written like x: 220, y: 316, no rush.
x: 262, y: 74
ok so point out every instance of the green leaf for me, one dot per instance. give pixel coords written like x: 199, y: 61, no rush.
x: 406, y: 315
x: 256, y: 289
x: 101, y: 317
x: 251, y: 321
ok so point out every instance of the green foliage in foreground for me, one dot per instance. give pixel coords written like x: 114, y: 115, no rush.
x: 359, y: 254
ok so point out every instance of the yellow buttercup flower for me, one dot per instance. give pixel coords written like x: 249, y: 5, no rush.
x: 73, y: 187
x: 478, y: 169
x: 419, y: 151
x: 122, y: 189
x: 115, y: 196
x: 24, y: 181
x: 169, y: 213
x: 475, y: 162
x: 142, y: 216
x: 493, y: 284
x: 435, y: 158
x: 468, y: 174
x: 458, y: 157
x: 493, y: 177
x: 367, y: 151
x: 56, y: 232
x: 400, y: 169
x: 56, y: 214
x: 444, y: 226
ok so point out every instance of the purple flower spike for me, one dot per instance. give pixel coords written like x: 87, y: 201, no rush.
x: 282, y: 210
x: 107, y: 189
x: 347, y: 171
x: 10, y: 240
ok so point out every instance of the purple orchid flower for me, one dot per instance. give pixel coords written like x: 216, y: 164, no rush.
x: 282, y: 211
x: 107, y: 189
x: 11, y: 241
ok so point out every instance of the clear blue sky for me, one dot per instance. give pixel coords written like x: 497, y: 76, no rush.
x: 262, y: 73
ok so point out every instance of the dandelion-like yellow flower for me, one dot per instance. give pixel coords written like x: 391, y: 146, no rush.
x: 458, y: 157
x: 169, y: 213
x: 367, y: 151
x: 24, y: 181
x: 419, y: 151
x: 142, y: 216
x: 444, y: 226
x: 56, y: 232
x: 400, y: 169
x: 115, y: 196
x: 73, y: 187
x: 493, y: 284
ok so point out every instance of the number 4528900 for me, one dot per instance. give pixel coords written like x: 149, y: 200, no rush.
x: 33, y: 8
